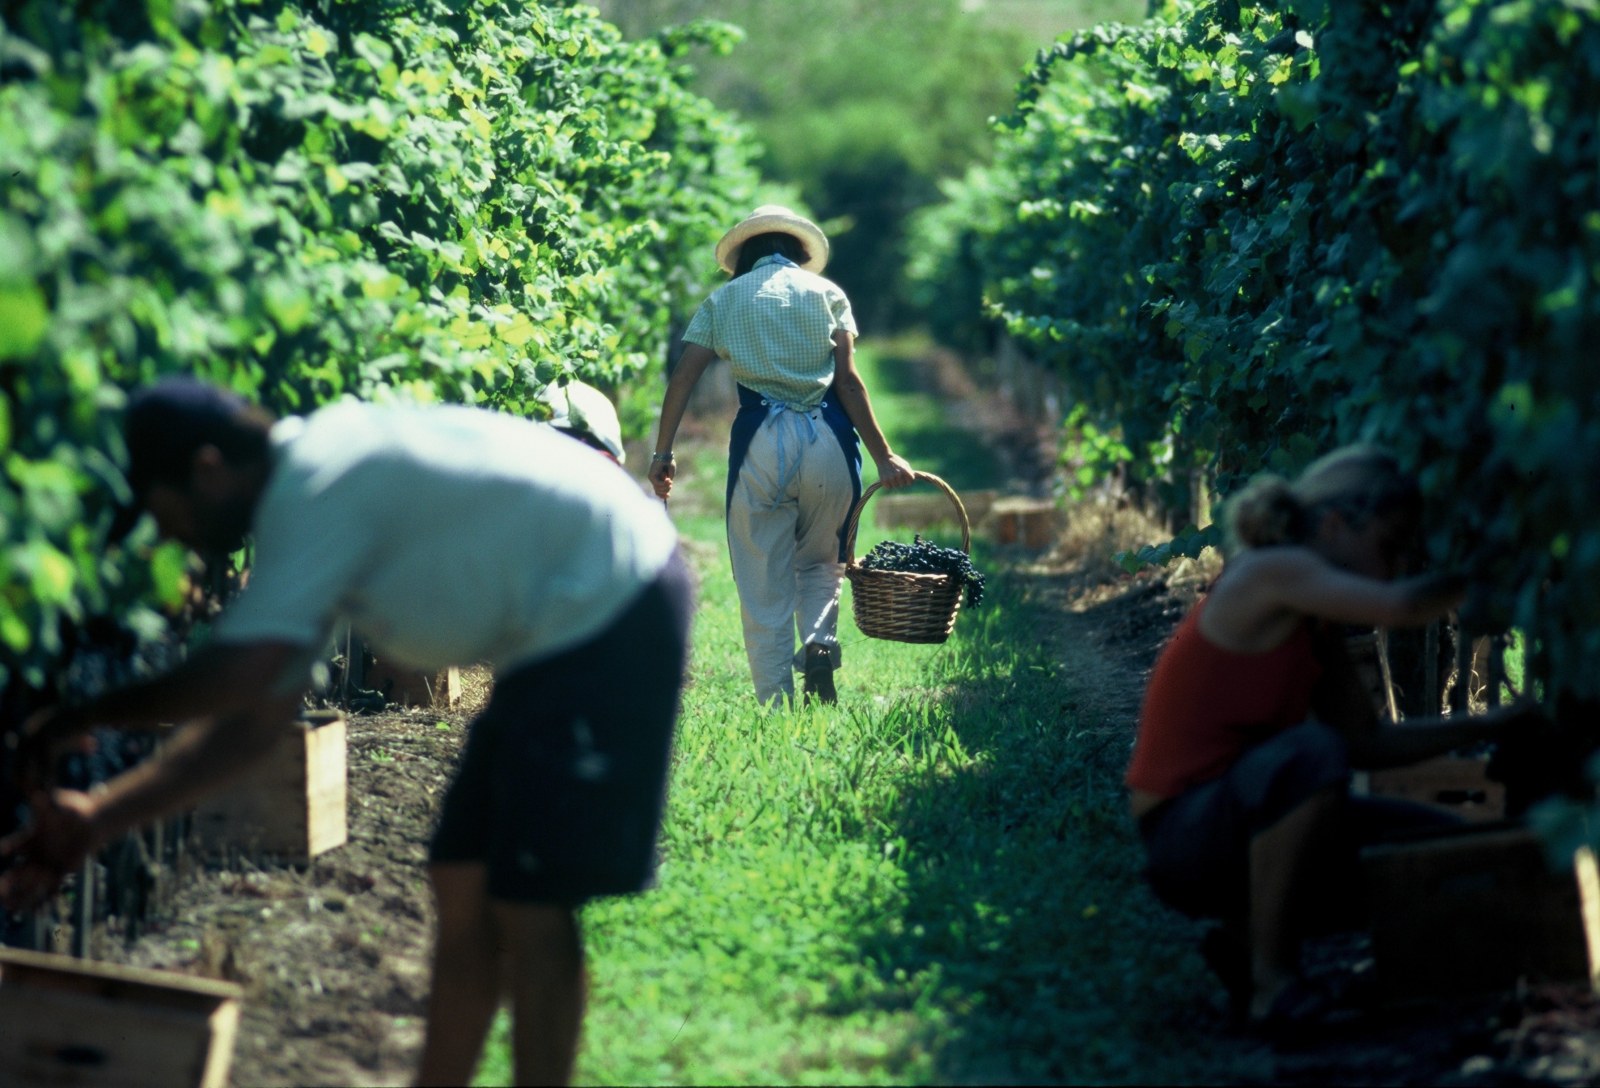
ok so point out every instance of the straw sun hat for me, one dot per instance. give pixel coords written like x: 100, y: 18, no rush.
x: 765, y: 220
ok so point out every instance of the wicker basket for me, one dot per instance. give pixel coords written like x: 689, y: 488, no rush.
x: 898, y: 605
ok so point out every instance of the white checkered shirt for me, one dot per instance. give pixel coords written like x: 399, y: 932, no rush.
x: 775, y: 326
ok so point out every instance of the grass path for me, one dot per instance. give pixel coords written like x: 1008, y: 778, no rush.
x: 933, y: 882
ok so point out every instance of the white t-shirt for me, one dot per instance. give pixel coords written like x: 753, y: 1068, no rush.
x: 445, y: 535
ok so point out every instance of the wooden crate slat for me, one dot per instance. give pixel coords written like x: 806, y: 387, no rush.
x: 1456, y: 784
x: 325, y: 789
x: 70, y: 1022
x: 1588, y: 874
x: 292, y: 805
x: 1475, y: 912
x: 414, y: 687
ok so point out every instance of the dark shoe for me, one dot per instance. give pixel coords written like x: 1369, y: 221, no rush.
x: 818, y: 676
x: 1299, y: 1012
x: 1228, y: 957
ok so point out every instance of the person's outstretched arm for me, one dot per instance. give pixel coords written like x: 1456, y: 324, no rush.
x: 1341, y: 700
x: 691, y: 364
x: 254, y: 698
x: 217, y: 679
x: 893, y: 470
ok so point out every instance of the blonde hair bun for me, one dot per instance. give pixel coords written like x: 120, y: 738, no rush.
x: 1358, y: 481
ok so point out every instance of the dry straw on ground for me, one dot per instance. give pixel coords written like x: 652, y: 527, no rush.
x: 1096, y: 530
x: 477, y: 681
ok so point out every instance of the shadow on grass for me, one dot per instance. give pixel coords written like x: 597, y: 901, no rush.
x: 1030, y: 947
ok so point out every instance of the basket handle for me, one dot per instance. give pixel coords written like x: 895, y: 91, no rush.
x: 925, y: 477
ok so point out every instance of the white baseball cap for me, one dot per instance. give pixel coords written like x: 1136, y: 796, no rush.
x: 584, y: 411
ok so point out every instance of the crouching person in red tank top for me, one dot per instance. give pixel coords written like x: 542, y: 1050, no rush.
x: 1254, y: 717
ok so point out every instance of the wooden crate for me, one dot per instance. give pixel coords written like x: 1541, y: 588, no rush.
x: 1032, y: 523
x: 1473, y: 912
x: 291, y: 806
x: 69, y: 1022
x: 412, y: 687
x: 1456, y: 784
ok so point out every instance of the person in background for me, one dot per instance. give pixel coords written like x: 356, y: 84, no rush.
x: 445, y: 535
x: 794, y: 463
x: 583, y: 412
x: 1254, y: 716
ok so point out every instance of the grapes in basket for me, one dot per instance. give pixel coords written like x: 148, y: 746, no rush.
x: 925, y: 557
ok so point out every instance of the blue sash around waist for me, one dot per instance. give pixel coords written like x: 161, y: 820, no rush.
x: 754, y: 410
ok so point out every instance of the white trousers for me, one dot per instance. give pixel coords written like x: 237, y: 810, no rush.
x: 792, y: 497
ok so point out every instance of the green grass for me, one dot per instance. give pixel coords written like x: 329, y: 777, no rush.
x: 915, y: 423
x: 933, y: 882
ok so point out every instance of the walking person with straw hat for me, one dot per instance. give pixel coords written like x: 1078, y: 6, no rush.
x: 794, y: 460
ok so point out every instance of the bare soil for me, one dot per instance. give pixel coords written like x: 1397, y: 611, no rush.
x: 333, y: 956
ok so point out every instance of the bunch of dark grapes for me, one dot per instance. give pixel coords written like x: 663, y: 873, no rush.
x: 925, y: 557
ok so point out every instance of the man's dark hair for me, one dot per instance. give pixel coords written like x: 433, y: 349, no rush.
x: 776, y: 242
x: 166, y: 423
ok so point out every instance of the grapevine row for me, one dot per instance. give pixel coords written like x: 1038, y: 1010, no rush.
x: 1245, y: 233
x: 304, y: 200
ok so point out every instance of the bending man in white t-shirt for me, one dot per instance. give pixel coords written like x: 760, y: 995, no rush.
x: 445, y: 536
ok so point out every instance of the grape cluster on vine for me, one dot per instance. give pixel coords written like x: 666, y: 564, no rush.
x: 925, y: 557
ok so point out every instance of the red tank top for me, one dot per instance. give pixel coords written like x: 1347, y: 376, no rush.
x: 1206, y: 705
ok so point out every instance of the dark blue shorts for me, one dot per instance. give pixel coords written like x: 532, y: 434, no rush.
x: 562, y: 783
x: 1198, y: 843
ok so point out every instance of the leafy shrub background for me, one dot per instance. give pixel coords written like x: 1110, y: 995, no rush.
x: 303, y: 200
x: 1248, y: 232
x: 865, y: 106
